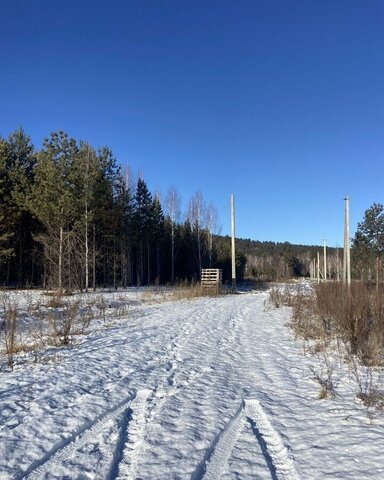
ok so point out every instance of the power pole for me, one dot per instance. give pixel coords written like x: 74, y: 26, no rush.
x: 337, y: 263
x: 325, y: 259
x: 346, y: 252
x: 318, y: 267
x: 312, y: 269
x: 233, y: 243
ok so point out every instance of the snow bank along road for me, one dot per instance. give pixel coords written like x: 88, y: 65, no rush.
x: 214, y: 388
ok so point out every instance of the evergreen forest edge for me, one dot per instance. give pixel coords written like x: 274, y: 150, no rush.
x: 72, y: 218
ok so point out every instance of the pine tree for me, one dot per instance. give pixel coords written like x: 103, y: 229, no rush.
x: 85, y: 174
x: 363, y: 258
x: 123, y: 207
x: 143, y: 221
x: 371, y: 232
x: 105, y: 218
x: 54, y: 202
x: 157, y: 233
x: 7, y: 220
x: 22, y: 160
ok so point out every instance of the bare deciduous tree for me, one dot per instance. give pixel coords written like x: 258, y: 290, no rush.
x: 173, y: 206
x: 211, y: 225
x: 196, y: 214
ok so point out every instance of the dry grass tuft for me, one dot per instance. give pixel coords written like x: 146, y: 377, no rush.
x: 188, y: 292
x: 55, y: 301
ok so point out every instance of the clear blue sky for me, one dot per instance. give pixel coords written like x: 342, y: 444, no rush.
x: 280, y: 102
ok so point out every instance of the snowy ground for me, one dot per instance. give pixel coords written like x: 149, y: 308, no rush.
x: 211, y: 388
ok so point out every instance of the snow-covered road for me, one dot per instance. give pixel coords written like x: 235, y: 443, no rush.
x: 213, y: 388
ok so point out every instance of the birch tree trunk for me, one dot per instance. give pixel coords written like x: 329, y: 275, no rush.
x: 60, y: 272
x: 173, y: 203
x: 86, y: 249
x: 94, y: 258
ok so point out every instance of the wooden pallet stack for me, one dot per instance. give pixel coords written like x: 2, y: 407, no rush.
x: 211, y: 280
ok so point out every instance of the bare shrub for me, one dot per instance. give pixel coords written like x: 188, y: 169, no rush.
x: 305, y: 323
x: 9, y: 331
x: 280, y: 296
x: 85, y: 317
x: 55, y: 300
x: 325, y: 380
x: 356, y: 315
x: 325, y: 372
x: 275, y: 297
x: 102, y: 306
x: 370, y: 386
x: 354, y: 318
x: 62, y: 323
x: 122, y: 310
x: 148, y: 296
x: 37, y: 333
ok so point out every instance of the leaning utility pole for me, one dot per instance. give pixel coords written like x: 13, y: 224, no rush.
x: 325, y: 259
x: 347, y: 252
x: 233, y: 243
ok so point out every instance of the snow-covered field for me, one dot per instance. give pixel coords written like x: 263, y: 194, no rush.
x: 210, y: 388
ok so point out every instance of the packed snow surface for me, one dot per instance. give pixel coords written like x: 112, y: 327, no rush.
x: 210, y: 388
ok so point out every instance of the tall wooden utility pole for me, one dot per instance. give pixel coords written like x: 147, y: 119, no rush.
x: 347, y: 252
x: 312, y: 269
x: 233, y: 243
x: 325, y: 259
x: 337, y: 263
x: 318, y: 267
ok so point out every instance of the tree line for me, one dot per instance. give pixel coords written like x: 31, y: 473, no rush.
x: 272, y: 261
x: 72, y: 218
x: 279, y: 261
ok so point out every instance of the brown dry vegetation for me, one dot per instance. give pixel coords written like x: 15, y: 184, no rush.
x: 355, y: 315
x: 333, y: 314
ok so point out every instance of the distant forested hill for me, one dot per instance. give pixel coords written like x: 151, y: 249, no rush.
x: 274, y: 260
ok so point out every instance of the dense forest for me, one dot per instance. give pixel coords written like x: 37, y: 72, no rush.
x: 72, y: 218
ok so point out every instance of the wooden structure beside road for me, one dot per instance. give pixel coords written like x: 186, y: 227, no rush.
x: 211, y: 280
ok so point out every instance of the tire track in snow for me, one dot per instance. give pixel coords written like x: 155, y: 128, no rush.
x: 222, y: 447
x: 131, y: 439
x: 64, y: 449
x: 279, y: 462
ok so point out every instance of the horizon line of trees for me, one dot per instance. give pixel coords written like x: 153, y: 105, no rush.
x: 271, y: 261
x: 71, y: 218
